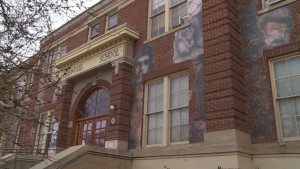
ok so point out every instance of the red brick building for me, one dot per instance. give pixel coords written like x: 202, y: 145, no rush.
x: 172, y: 84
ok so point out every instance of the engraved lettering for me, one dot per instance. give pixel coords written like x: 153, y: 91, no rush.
x: 108, y: 55
x: 74, y: 69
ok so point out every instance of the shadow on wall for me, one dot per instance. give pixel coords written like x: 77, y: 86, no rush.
x: 188, y: 44
x: 275, y: 28
x: 143, y: 63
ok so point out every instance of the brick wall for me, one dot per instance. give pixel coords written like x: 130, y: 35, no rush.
x: 261, y: 117
x: 227, y: 92
x: 224, y: 89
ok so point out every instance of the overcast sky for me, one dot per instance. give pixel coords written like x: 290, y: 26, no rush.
x: 60, y: 20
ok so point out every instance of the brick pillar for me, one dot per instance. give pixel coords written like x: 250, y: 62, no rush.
x: 118, y: 120
x: 224, y: 72
x: 62, y: 112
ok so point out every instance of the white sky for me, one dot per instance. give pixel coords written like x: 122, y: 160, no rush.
x: 60, y: 20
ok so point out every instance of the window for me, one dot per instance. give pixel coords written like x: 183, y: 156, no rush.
x: 94, y: 31
x: 49, y: 60
x: 286, y: 92
x: 165, y: 15
x: 44, y: 132
x: 2, y: 138
x: 166, y: 111
x: 112, y: 21
x: 97, y: 104
x: 268, y: 5
x: 19, y: 136
x: 178, y: 12
x: 23, y: 85
x: 63, y: 50
x: 53, y: 70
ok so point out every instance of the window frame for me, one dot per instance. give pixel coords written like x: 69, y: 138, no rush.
x: 53, y: 55
x: 23, y: 85
x: 91, y: 37
x: 3, y: 138
x: 266, y: 7
x: 166, y: 136
x: 61, y: 47
x: 276, y: 99
x: 52, y: 70
x: 47, y: 135
x: 107, y: 27
x: 19, y: 133
x: 168, y: 18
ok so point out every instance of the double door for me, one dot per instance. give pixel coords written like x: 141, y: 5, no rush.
x: 91, y: 131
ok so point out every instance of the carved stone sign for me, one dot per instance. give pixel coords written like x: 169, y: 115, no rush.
x: 96, y: 61
x: 112, y: 53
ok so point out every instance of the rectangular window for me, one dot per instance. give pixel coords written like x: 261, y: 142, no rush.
x: 19, y: 136
x: 157, y: 17
x: 165, y: 15
x: 63, y: 50
x: 286, y: 85
x: 23, y: 86
x: 179, y: 101
x: 155, y: 112
x: 49, y: 69
x: 2, y: 138
x: 112, y: 21
x: 94, y: 31
x: 44, y: 132
x: 167, y: 111
x: 46, y: 62
x: 53, y: 59
x: 178, y: 12
x: 268, y: 5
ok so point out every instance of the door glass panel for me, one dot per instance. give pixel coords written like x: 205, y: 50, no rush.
x: 103, y: 124
x: 98, y: 124
x: 83, y: 136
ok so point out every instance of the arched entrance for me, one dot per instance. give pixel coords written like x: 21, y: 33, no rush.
x: 92, y: 117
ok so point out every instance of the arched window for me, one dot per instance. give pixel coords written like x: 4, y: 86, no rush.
x: 92, y: 122
x: 96, y: 104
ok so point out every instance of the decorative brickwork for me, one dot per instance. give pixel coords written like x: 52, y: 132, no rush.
x: 224, y: 89
x: 121, y: 98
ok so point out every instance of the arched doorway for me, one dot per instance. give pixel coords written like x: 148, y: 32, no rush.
x: 92, y: 113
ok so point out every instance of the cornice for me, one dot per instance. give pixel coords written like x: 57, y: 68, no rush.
x: 123, y: 33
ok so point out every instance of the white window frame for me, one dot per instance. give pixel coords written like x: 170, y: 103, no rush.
x: 267, y: 7
x: 91, y: 37
x: 280, y: 136
x: 63, y: 50
x: 23, y: 85
x: 2, y: 139
x: 109, y: 27
x: 47, y: 124
x: 167, y: 11
x: 18, y: 134
x: 53, y: 55
x: 166, y: 112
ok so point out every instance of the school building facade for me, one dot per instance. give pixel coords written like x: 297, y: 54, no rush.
x: 198, y: 84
